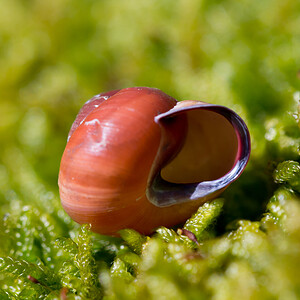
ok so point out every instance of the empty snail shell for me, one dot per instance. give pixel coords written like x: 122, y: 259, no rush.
x: 136, y: 158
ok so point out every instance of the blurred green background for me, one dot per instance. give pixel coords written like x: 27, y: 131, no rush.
x: 55, y: 55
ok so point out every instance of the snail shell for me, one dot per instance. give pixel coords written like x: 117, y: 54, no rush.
x: 136, y: 158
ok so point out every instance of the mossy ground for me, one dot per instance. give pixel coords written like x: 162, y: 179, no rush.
x: 55, y: 55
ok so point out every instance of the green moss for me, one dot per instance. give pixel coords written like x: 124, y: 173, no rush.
x: 54, y: 55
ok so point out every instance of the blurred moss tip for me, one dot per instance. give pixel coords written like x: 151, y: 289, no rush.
x: 286, y: 171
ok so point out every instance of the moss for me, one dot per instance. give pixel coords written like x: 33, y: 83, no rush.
x: 54, y: 55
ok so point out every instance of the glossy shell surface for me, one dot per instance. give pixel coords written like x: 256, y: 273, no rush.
x: 137, y: 158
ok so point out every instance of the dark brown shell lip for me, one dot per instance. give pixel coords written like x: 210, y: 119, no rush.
x: 162, y: 193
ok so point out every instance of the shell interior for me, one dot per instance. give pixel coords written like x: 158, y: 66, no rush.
x: 213, y: 155
x: 209, y: 151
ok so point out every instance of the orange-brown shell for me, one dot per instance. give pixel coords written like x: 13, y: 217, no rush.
x: 110, y: 174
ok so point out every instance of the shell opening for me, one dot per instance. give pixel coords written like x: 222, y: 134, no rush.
x: 209, y: 152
